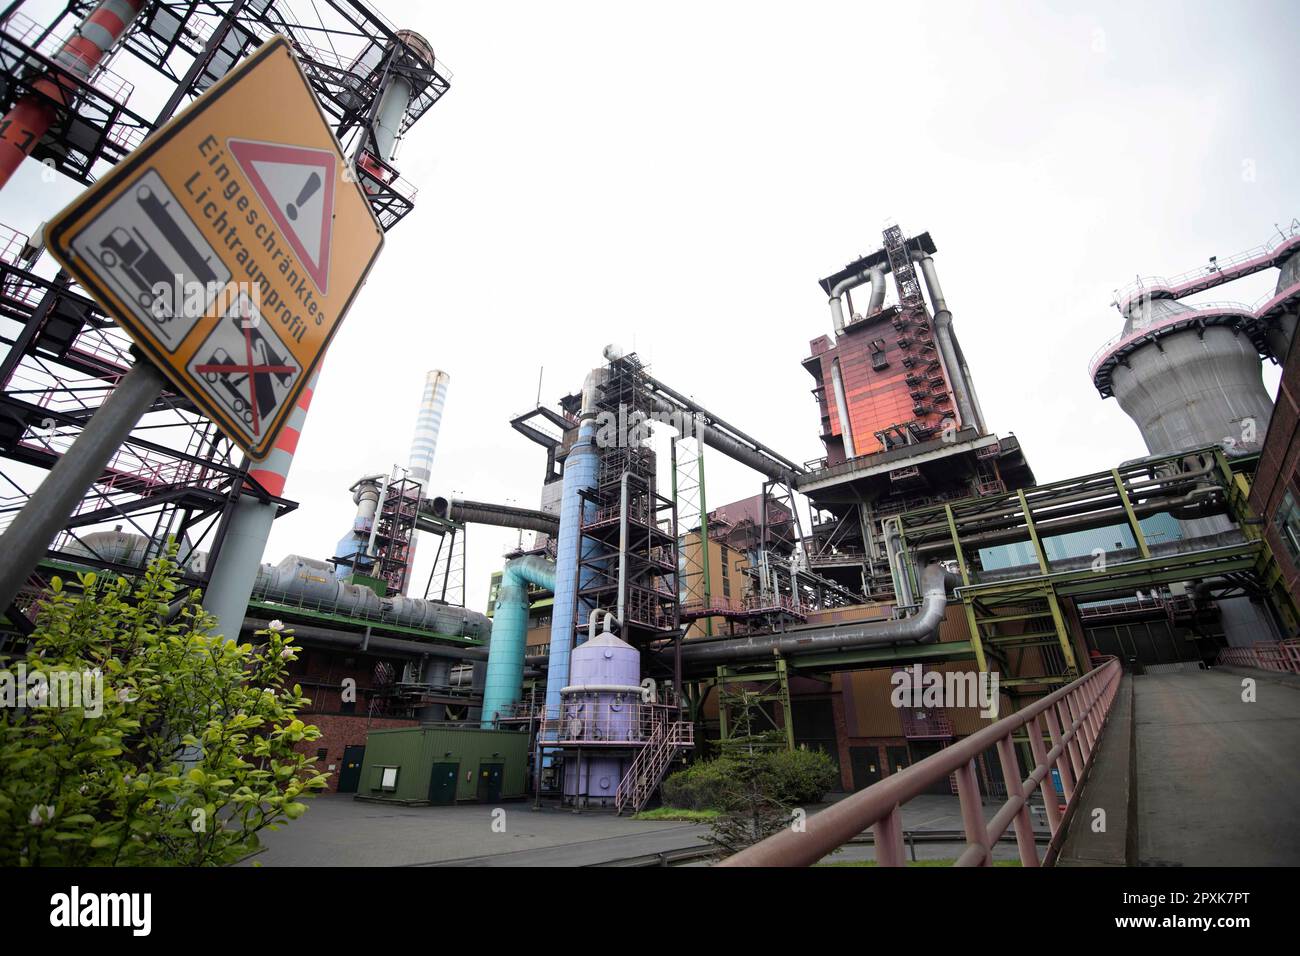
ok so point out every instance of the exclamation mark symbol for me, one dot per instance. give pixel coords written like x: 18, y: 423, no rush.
x: 308, y: 189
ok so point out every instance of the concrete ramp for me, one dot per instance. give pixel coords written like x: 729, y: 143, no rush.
x: 1218, y: 778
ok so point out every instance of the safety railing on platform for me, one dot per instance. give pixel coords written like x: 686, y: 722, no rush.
x: 1215, y: 272
x: 1266, y: 655
x: 1073, y: 719
x: 668, y: 737
x: 596, y: 719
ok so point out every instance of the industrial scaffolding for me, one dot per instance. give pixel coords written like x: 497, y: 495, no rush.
x: 176, y: 476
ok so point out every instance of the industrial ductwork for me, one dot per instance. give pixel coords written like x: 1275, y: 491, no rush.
x: 875, y: 276
x: 712, y: 430
x: 505, y: 669
x: 842, y: 406
x: 501, y: 516
x: 300, y: 579
x: 919, y: 628
x: 954, y: 363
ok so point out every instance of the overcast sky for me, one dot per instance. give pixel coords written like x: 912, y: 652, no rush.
x: 676, y: 177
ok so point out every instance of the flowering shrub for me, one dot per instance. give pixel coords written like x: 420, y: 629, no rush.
x: 186, y: 757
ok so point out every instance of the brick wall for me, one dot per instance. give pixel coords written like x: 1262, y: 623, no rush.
x: 340, y: 731
x: 1279, y: 467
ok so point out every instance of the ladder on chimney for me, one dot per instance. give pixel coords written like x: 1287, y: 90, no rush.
x: 900, y: 264
x: 642, y: 779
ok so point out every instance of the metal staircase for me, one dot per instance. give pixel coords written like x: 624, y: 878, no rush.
x: 667, y: 739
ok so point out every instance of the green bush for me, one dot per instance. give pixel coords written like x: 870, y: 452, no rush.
x: 800, y: 777
x: 790, y: 777
x: 189, y: 751
x: 699, y: 787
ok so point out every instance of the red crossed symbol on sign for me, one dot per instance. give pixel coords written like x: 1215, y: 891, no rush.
x: 253, y: 370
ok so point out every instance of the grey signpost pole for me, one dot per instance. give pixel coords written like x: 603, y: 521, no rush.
x: 25, y: 541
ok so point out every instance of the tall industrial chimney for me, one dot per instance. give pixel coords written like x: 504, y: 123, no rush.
x: 427, y: 423
x: 423, y: 446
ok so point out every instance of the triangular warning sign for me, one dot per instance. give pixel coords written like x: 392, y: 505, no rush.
x: 297, y: 186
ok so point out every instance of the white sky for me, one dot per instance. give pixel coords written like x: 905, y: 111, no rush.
x: 675, y: 178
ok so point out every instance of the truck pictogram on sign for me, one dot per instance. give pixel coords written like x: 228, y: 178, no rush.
x: 148, y: 249
x: 247, y: 369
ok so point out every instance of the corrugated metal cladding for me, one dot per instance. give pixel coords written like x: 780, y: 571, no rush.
x: 873, y: 714
x: 858, y: 612
x: 1157, y: 529
x: 876, y: 359
x: 415, y: 750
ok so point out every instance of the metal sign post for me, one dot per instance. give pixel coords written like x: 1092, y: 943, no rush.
x: 229, y: 246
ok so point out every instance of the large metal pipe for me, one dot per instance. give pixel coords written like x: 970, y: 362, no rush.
x: 842, y: 406
x: 30, y: 119
x: 373, y: 643
x: 723, y: 436
x: 505, y: 669
x: 949, y: 355
x: 875, y: 276
x: 622, y: 549
x: 501, y: 516
x: 724, y: 443
x: 1196, y: 504
x: 579, y: 477
x: 919, y: 628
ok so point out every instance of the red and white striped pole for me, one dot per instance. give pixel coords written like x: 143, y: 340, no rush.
x: 234, y: 573
x: 32, y: 116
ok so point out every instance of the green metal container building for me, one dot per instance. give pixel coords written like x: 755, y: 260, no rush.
x: 437, y: 765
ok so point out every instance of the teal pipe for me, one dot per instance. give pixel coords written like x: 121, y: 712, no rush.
x: 505, y: 669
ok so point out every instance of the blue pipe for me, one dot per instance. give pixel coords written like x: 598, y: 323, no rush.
x: 505, y: 668
x: 579, y: 475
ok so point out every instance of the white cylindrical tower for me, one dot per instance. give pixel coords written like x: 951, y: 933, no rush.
x: 427, y: 424
x: 428, y: 421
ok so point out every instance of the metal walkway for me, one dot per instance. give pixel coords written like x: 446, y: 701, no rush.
x: 1217, y: 778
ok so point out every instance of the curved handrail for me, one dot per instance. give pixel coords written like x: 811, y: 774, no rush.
x: 1222, y: 271
x: 1074, y: 717
x: 1200, y: 310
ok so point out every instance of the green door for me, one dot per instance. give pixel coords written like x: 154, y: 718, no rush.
x: 489, y: 782
x: 442, y: 783
x: 350, y: 772
x: 865, y: 763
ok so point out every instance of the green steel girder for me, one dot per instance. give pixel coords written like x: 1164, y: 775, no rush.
x: 878, y: 656
x: 1174, y: 567
x: 937, y: 514
x: 360, y: 623
x: 774, y: 688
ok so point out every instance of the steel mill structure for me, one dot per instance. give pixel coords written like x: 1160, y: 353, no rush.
x: 641, y: 622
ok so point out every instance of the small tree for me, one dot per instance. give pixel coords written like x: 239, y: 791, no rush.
x: 193, y: 754
x: 751, y: 807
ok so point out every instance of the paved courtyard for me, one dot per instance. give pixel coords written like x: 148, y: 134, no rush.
x: 340, y: 831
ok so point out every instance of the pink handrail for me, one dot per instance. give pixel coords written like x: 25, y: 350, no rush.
x: 1265, y: 655
x: 1074, y: 718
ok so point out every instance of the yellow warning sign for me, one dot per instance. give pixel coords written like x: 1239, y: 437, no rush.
x: 230, y: 245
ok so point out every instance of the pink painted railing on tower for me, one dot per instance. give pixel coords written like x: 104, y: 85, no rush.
x: 1063, y: 729
x: 1266, y: 655
x: 1227, y: 269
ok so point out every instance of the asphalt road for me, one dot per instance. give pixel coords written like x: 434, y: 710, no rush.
x: 340, y: 831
